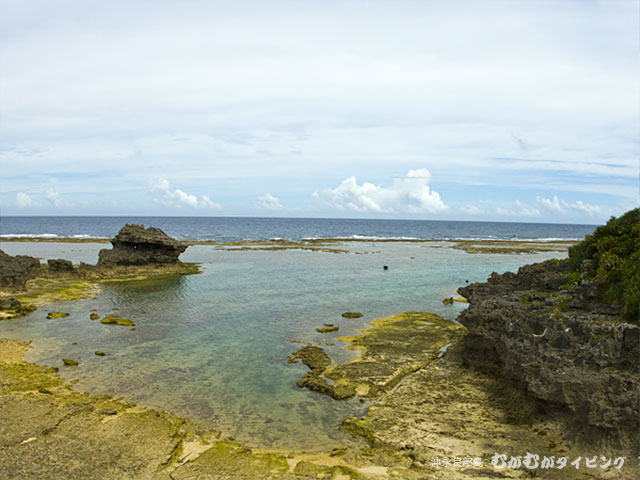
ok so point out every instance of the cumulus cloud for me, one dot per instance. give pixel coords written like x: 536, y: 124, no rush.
x: 179, y: 198
x: 269, y: 202
x: 410, y: 193
x: 518, y: 210
x: 560, y: 206
x: 55, y: 199
x: 472, y: 210
x: 23, y: 200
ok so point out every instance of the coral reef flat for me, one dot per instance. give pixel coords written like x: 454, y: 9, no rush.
x: 497, y: 395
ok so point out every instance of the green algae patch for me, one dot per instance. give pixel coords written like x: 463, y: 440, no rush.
x: 41, y: 291
x: 26, y: 377
x: 51, y: 315
x: 227, y: 459
x: 351, y: 315
x: 117, y: 320
x: 327, y: 329
x: 392, y: 349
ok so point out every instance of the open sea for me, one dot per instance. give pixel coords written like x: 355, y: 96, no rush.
x: 214, y: 346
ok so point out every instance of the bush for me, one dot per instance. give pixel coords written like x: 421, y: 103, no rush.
x: 614, y: 251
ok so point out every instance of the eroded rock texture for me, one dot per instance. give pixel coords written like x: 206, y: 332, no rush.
x: 572, y: 355
x: 135, y: 245
x: 15, y: 271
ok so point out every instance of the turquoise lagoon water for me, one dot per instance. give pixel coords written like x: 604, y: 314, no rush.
x: 214, y: 346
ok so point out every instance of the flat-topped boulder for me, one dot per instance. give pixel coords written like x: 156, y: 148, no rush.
x: 135, y: 245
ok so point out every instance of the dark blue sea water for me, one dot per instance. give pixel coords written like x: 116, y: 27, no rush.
x: 226, y: 229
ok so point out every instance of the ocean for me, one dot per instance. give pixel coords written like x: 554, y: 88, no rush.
x: 228, y: 229
x: 214, y: 346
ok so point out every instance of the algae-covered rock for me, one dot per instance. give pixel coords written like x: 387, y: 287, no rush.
x: 312, y: 357
x: 100, y: 353
x: 351, y: 315
x: 11, y: 307
x: 68, y: 362
x: 117, y: 320
x: 328, y: 329
x: 51, y: 315
x: 94, y: 316
x: 448, y: 301
x: 227, y: 460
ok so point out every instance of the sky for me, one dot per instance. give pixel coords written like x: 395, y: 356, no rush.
x: 488, y: 110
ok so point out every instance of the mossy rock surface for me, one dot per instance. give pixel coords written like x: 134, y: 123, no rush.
x: 94, y: 316
x: 332, y: 328
x: 352, y: 315
x: 51, y: 315
x: 68, y: 362
x: 117, y: 320
x: 100, y: 353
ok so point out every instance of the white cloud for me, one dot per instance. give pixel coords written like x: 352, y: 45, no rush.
x: 551, y: 204
x: 563, y: 207
x: 410, y: 193
x: 472, y: 210
x: 269, y: 202
x: 24, y: 201
x: 179, y: 198
x: 518, y: 210
x: 54, y: 197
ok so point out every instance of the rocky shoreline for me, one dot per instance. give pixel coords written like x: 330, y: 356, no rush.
x: 511, y: 380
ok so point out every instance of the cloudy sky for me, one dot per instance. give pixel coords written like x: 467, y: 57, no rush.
x: 460, y: 110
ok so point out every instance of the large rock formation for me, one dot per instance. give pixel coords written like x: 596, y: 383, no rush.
x: 15, y: 271
x: 545, y: 330
x: 135, y: 245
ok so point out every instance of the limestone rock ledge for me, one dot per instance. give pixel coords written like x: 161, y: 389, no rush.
x: 571, y: 355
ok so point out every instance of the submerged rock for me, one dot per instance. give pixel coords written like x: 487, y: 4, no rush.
x: 15, y: 271
x: 51, y: 315
x: 351, y: 315
x: 327, y: 329
x: 94, y: 316
x: 116, y: 320
x: 135, y: 245
x: 68, y: 362
x: 11, y: 307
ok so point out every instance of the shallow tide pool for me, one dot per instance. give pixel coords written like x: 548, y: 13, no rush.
x: 214, y: 346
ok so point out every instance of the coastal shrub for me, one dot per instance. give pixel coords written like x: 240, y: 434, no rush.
x: 614, y: 254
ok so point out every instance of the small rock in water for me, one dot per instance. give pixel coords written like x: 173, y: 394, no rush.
x: 69, y: 362
x: 94, y: 316
x: 385, y: 267
x: 351, y: 315
x: 100, y: 353
x: 448, y: 301
x: 116, y: 320
x: 327, y: 329
x: 57, y: 315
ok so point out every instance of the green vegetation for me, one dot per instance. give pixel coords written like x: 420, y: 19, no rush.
x: 613, y: 262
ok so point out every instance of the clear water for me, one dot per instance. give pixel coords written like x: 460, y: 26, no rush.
x: 213, y: 346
